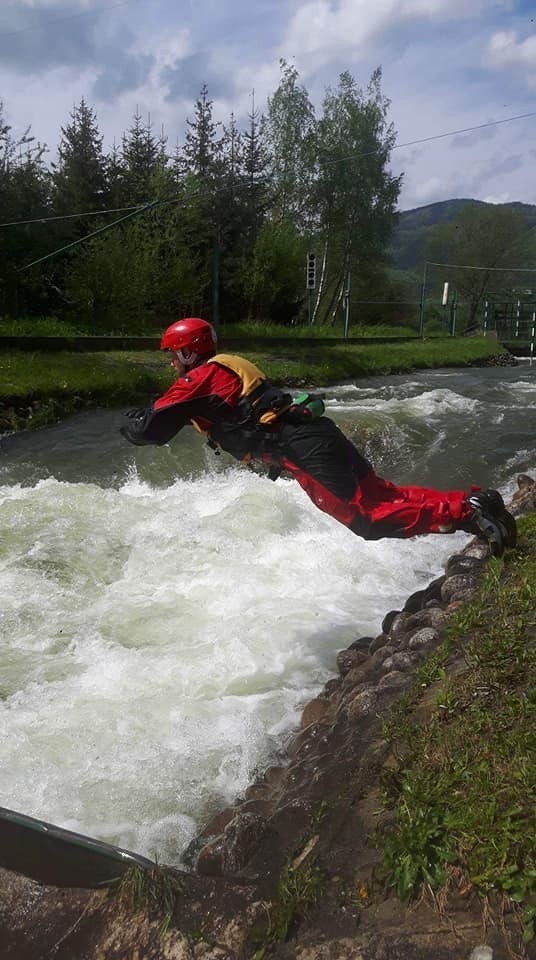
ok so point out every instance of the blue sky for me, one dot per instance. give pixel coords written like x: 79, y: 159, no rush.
x: 447, y: 65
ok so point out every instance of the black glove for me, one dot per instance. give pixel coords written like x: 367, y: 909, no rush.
x: 135, y: 412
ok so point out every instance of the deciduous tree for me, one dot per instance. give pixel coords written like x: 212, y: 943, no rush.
x: 495, y: 239
x: 356, y: 193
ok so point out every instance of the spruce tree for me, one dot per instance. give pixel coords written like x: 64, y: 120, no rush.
x: 24, y: 195
x: 255, y: 161
x: 80, y: 174
x: 201, y: 148
x: 141, y: 161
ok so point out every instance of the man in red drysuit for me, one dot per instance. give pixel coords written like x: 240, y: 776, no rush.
x: 230, y: 400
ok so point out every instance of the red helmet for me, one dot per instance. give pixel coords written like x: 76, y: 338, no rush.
x: 191, y: 338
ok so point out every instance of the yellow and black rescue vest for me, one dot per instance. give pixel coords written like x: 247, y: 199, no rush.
x: 246, y: 434
x: 264, y: 403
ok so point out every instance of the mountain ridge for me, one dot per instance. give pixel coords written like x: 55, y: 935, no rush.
x: 413, y: 226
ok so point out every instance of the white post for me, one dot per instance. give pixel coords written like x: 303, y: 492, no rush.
x: 532, y: 339
x: 517, y: 317
x: 485, y: 316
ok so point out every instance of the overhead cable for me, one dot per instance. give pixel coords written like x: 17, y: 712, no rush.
x: 74, y: 243
x: 437, y: 136
x: 70, y: 216
x: 467, y: 266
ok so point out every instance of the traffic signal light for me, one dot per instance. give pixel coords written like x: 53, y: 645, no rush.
x: 311, y: 271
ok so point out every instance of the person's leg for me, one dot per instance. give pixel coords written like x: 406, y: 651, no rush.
x: 379, y: 509
x: 342, y: 483
x: 408, y: 511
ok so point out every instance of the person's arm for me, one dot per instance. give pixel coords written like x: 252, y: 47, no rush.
x: 151, y: 426
x: 205, y: 394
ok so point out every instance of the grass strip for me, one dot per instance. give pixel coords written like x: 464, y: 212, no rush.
x: 464, y: 793
x: 322, y: 365
x: 41, y: 388
x: 52, y: 385
x: 53, y: 327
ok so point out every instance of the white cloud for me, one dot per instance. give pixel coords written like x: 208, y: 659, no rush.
x: 327, y: 28
x: 429, y: 190
x: 168, y: 48
x: 504, y: 197
x: 51, y: 4
x: 471, y: 182
x: 507, y: 52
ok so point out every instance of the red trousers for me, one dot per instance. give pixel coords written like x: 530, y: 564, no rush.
x: 380, y: 509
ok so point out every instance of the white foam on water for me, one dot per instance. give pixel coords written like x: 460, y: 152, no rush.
x: 429, y: 403
x: 523, y: 461
x: 159, y: 644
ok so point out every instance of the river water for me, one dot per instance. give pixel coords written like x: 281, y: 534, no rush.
x: 166, y: 613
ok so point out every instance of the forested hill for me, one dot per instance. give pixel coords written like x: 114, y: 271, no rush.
x: 414, y: 226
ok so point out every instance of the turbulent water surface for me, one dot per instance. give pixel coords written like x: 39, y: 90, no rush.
x: 165, y: 614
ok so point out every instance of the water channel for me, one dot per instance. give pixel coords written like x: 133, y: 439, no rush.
x: 166, y: 613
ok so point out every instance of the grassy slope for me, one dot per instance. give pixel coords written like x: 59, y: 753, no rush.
x: 464, y: 793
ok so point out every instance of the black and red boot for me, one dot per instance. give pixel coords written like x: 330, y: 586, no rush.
x: 490, y: 519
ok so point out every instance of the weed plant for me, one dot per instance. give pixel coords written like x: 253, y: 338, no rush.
x: 153, y: 891
x: 298, y: 890
x: 464, y: 793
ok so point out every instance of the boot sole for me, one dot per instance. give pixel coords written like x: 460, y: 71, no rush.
x: 493, y: 532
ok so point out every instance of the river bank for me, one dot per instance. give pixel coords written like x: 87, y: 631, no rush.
x: 41, y: 388
x: 308, y: 864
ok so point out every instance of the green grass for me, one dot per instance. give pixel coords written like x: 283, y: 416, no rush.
x: 39, y: 388
x: 298, y: 891
x: 53, y: 327
x: 464, y: 793
x: 152, y: 891
x: 268, y: 331
x: 38, y: 327
x: 328, y: 364
x: 107, y: 375
x: 59, y: 383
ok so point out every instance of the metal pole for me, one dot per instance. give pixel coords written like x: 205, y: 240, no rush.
x: 532, y: 339
x: 517, y: 317
x: 347, y: 305
x: 453, y: 314
x: 485, y: 316
x: 423, y: 300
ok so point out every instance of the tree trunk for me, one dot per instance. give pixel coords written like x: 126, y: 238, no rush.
x: 321, y: 284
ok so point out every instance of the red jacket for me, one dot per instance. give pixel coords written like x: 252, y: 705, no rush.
x: 206, y: 394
